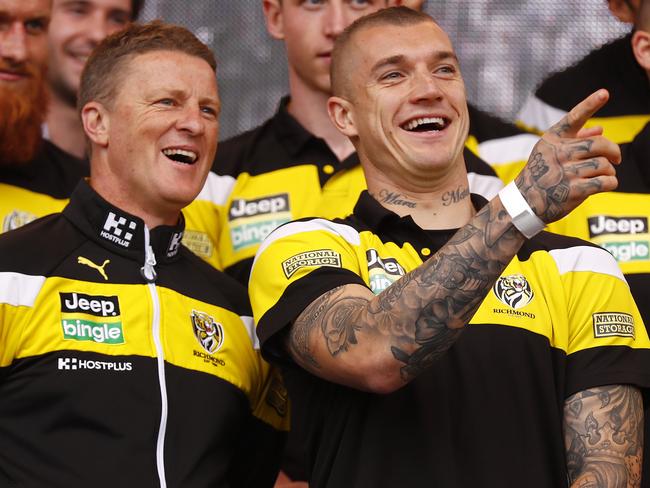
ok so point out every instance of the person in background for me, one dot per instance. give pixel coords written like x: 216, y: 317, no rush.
x: 295, y: 164
x: 427, y: 342
x: 612, y: 66
x: 125, y: 360
x: 618, y: 221
x: 77, y: 27
x: 36, y: 177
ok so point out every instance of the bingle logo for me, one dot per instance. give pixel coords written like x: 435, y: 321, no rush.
x: 114, y: 228
x: 604, y: 224
x: 259, y: 206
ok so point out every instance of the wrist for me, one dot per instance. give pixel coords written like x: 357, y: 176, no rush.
x: 523, y: 217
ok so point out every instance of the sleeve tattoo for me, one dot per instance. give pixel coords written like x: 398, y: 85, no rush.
x: 603, y: 432
x: 421, y: 315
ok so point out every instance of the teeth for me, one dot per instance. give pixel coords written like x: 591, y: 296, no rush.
x: 180, y: 152
x: 423, y: 120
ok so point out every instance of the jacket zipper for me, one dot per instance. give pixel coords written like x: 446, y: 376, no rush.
x: 150, y: 275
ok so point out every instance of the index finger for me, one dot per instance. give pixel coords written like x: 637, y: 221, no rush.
x: 571, y: 123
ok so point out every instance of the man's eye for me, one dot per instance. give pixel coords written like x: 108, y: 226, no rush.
x: 36, y: 26
x: 393, y: 75
x: 446, y: 70
x: 168, y: 102
x: 359, y: 4
x: 210, y: 111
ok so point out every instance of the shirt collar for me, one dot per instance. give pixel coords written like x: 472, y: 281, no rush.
x: 119, y: 231
x: 378, y: 217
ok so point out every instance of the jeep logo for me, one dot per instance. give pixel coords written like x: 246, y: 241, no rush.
x: 604, y: 224
x: 390, y: 265
x: 259, y: 206
x: 99, y: 306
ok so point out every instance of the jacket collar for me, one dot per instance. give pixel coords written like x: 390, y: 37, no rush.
x: 119, y: 231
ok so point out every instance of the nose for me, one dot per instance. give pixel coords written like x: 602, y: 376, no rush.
x: 336, y: 19
x: 191, y: 120
x: 13, y: 43
x: 425, y: 87
x: 97, y: 28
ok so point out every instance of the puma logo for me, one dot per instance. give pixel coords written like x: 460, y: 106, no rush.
x: 88, y: 262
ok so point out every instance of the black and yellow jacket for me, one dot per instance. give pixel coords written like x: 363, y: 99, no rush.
x: 489, y: 412
x: 38, y: 188
x: 125, y: 360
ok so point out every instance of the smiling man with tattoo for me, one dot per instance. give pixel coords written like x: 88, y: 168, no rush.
x: 436, y: 339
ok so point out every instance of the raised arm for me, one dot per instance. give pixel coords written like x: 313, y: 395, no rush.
x: 603, y: 435
x: 379, y: 343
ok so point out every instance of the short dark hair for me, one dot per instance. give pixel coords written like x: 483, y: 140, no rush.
x: 136, y: 8
x: 108, y: 62
x: 396, y: 16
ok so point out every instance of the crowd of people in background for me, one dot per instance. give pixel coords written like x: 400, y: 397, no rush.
x: 381, y: 285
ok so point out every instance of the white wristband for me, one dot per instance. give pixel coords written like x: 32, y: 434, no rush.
x: 523, y: 217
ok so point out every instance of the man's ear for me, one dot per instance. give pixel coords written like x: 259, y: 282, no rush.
x: 274, y: 18
x: 96, y: 121
x: 641, y: 48
x: 341, y: 114
x: 622, y: 11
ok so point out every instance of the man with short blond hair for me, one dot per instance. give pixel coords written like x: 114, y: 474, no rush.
x: 125, y: 360
x: 436, y: 342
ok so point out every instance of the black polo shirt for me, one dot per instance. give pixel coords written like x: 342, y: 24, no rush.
x: 489, y: 413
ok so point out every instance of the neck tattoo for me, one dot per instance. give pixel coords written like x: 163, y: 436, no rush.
x: 455, y: 196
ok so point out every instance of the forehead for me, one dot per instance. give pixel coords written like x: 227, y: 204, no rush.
x: 25, y: 8
x: 409, y: 42
x: 170, y: 70
x: 124, y: 5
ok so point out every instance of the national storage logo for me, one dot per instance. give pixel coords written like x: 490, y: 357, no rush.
x: 252, y: 220
x: 311, y: 259
x: 608, y: 324
x: 91, y: 318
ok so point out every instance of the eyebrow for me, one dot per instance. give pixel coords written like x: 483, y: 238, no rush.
x: 399, y: 58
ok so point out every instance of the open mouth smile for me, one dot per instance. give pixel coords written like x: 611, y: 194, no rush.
x: 425, y: 124
x: 181, y: 155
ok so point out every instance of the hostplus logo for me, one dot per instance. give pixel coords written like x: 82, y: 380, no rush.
x: 78, y: 322
x: 174, y: 244
x: 117, y: 229
x: 623, y: 251
x: 382, y: 272
x: 73, y: 364
x: 252, y: 220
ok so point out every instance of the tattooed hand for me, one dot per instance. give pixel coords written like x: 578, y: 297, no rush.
x: 569, y: 163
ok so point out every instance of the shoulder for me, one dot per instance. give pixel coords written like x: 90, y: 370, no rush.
x: 38, y: 247
x: 572, y: 254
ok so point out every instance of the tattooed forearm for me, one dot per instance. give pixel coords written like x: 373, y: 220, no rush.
x: 418, y: 317
x: 604, y: 437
